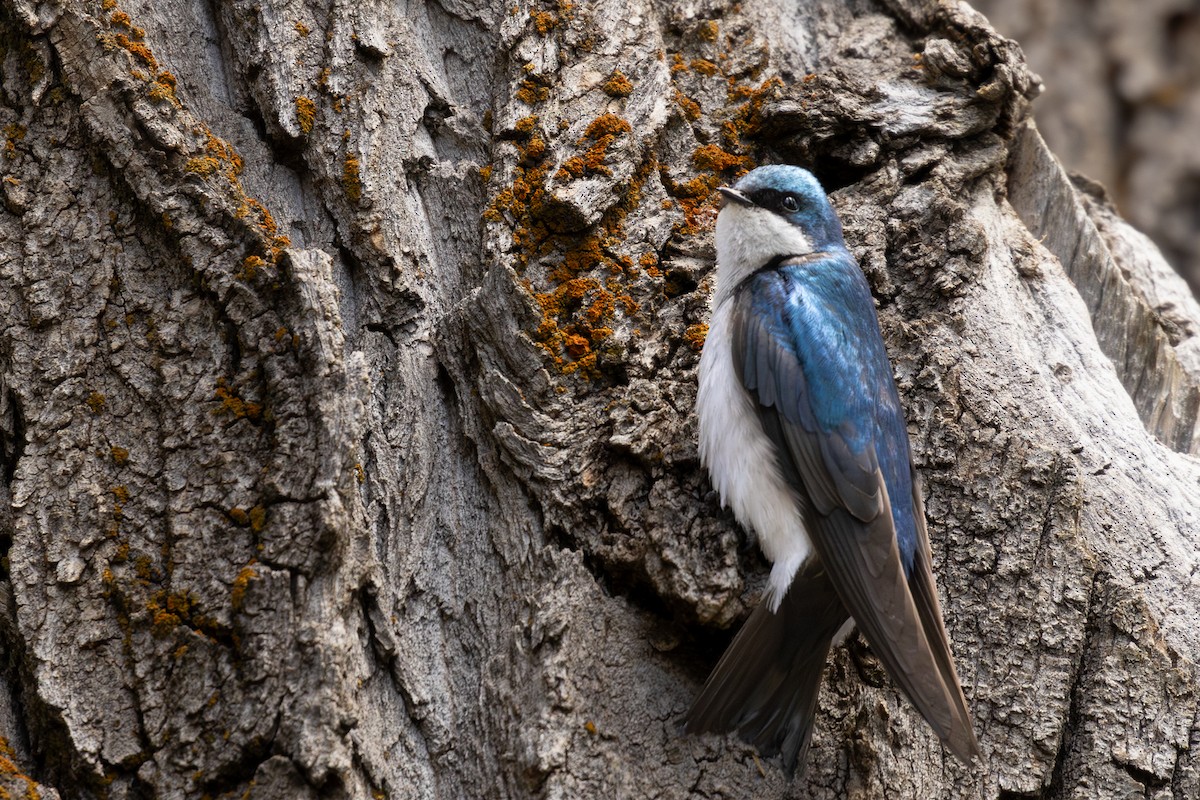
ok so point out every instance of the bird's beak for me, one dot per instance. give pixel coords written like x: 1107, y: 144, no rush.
x: 733, y: 196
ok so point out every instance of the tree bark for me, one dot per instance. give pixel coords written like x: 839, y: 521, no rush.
x: 346, y: 390
x: 1122, y: 104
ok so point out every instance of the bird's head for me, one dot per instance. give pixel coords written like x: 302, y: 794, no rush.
x: 779, y: 210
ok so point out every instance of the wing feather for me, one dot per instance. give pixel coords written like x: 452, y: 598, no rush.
x: 849, y: 513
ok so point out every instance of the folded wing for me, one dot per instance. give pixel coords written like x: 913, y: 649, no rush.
x: 831, y: 451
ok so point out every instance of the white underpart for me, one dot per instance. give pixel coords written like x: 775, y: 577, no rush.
x: 741, y: 460
x: 747, y: 238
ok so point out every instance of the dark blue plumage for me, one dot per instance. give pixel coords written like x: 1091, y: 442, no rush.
x: 821, y: 312
x: 803, y: 434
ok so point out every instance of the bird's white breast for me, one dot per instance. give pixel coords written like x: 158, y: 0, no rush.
x: 747, y: 238
x: 742, y: 461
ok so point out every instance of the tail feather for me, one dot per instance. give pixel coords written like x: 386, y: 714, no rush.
x: 765, y: 686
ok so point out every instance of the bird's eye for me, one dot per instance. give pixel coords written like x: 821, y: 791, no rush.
x: 789, y: 203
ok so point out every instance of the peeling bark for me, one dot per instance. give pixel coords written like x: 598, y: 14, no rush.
x: 346, y: 398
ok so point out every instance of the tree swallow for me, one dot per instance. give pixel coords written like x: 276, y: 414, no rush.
x: 803, y: 435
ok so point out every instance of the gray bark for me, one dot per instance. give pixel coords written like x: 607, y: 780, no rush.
x: 346, y: 389
x: 1122, y: 104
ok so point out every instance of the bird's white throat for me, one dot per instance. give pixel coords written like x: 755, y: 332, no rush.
x: 748, y: 237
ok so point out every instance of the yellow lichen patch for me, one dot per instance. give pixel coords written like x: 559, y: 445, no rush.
x: 95, y: 401
x: 10, y: 770
x: 13, y: 134
x: 360, y: 474
x: 247, y: 574
x: 220, y: 158
x: 708, y: 30
x: 602, y: 132
x: 302, y: 29
x: 239, y: 516
x: 747, y: 120
x: 606, y: 125
x: 695, y: 336
x: 689, y: 107
x: 351, y: 179
x: 170, y: 609
x: 572, y: 168
x: 135, y: 48
x: 119, y: 454
x: 235, y: 406
x: 533, y: 90
x: 543, y: 21
x: 258, y: 519
x: 250, y: 267
x: 306, y: 113
x: 713, y: 158
x: 202, y: 166
x: 618, y: 85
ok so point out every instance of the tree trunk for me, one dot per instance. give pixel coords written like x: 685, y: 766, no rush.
x: 1122, y: 104
x: 346, y: 390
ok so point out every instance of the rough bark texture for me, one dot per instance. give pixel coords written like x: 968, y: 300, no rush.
x: 1122, y: 104
x: 346, y: 387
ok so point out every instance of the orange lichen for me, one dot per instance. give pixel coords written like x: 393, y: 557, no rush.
x: 11, y: 772
x: 695, y: 336
x: 573, y: 167
x: 306, y: 113
x: 708, y: 30
x: 250, y: 267
x: 202, y: 166
x: 136, y: 48
x: 239, y: 516
x: 606, y: 125
x: 351, y: 179
x: 119, y: 454
x: 235, y: 406
x: 12, y: 134
x: 163, y: 88
x: 618, y: 85
x: 716, y: 159
x: 95, y: 401
x: 258, y: 519
x: 602, y: 132
x: 704, y: 67
x: 531, y: 91
x: 535, y: 149
x: 168, y: 610
x: 302, y: 29
x: 543, y: 21
x: 689, y: 107
x: 241, y: 582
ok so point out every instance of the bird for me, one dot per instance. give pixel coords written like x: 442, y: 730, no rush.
x: 803, y: 435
